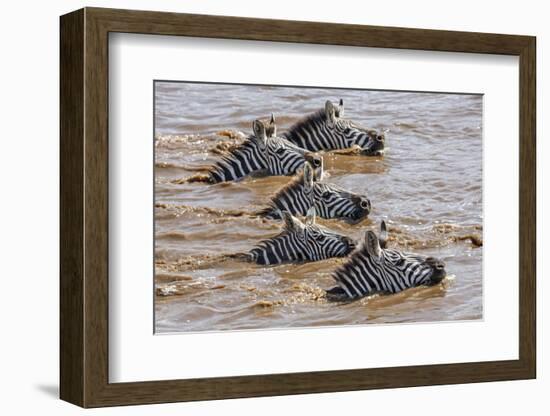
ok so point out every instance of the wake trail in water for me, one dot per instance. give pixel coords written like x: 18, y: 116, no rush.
x: 197, y: 178
x: 439, y: 235
x: 217, y: 212
x: 198, y: 262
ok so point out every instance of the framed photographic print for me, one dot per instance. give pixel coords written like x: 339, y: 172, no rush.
x: 256, y: 207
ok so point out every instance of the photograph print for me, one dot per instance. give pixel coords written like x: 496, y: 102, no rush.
x: 302, y: 207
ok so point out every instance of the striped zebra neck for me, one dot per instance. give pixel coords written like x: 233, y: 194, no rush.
x: 239, y: 162
x: 312, y: 133
x: 291, y: 198
x: 300, y: 241
x: 283, y: 248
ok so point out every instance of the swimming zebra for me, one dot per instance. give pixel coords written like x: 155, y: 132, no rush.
x: 299, y: 242
x: 261, y: 152
x: 328, y: 130
x: 372, y: 268
x: 307, y: 190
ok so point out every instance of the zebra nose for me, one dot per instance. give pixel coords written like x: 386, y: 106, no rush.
x: 365, y: 204
x: 349, y: 242
x: 316, y: 161
x: 439, y: 272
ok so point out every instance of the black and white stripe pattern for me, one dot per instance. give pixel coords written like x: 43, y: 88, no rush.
x: 299, y: 242
x: 328, y: 130
x: 262, y: 152
x: 330, y: 201
x: 372, y: 268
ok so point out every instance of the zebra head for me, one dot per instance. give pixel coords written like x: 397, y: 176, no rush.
x: 350, y: 134
x: 261, y: 152
x: 372, y: 268
x: 330, y: 201
x: 280, y: 156
x: 300, y: 242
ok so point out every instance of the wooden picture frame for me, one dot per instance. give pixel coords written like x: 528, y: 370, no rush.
x: 84, y: 207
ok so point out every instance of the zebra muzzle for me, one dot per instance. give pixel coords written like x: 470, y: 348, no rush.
x: 362, y: 208
x: 365, y: 205
x: 350, y: 243
x: 438, y: 270
x: 315, y: 160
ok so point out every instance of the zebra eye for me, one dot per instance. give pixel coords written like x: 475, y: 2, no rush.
x: 280, y: 151
x: 347, y: 130
x: 326, y: 195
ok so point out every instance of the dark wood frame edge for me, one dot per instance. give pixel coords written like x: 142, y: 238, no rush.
x: 84, y: 207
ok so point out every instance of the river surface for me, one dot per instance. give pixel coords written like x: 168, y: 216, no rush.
x: 428, y: 188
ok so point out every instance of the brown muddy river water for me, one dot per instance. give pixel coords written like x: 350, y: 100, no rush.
x: 428, y: 188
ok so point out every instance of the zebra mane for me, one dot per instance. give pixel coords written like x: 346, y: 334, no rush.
x: 291, y: 186
x: 284, y: 231
x: 232, y: 152
x: 314, y: 118
x: 294, y: 184
x: 354, y: 260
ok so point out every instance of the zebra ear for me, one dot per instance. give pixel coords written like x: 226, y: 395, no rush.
x: 372, y: 244
x: 258, y: 128
x: 330, y: 111
x: 341, y: 108
x: 383, y: 237
x: 319, y: 172
x: 308, y: 178
x: 310, y: 217
x: 259, y: 131
x: 291, y: 223
x: 272, y: 126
